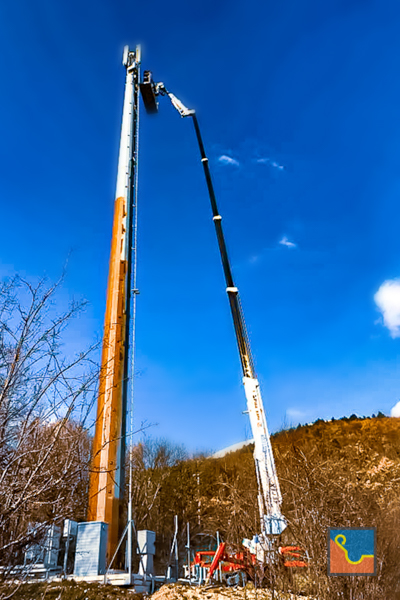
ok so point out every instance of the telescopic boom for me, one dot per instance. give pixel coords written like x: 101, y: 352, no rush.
x: 269, y: 495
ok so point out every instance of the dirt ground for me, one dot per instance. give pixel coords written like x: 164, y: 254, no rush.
x: 68, y: 590
x: 185, y: 592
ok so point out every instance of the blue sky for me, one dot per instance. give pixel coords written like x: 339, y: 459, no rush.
x: 299, y: 108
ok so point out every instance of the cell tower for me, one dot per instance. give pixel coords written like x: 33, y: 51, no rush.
x: 108, y: 455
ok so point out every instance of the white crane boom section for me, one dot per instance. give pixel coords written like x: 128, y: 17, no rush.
x: 269, y: 493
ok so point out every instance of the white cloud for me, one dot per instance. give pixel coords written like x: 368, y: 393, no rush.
x: 228, y: 160
x: 253, y: 259
x: 387, y: 299
x: 268, y: 161
x: 295, y: 413
x: 285, y: 242
x: 395, y: 411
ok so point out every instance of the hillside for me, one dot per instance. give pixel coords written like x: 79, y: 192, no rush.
x: 362, y: 454
x: 341, y: 473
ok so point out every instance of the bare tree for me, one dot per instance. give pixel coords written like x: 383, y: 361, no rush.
x: 45, y: 399
x: 152, y: 461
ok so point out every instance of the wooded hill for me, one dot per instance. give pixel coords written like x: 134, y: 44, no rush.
x: 341, y: 473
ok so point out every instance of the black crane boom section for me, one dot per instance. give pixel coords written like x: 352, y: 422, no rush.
x: 232, y: 291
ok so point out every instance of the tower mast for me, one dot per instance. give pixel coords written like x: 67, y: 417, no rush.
x: 108, y: 452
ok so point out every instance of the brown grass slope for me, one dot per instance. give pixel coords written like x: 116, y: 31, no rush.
x: 343, y: 473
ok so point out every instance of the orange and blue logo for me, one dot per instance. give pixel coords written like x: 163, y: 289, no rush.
x: 352, y: 551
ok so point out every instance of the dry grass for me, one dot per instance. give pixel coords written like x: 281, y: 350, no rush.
x: 182, y: 592
x: 66, y: 590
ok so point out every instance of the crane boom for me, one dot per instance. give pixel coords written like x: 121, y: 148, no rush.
x: 269, y: 495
